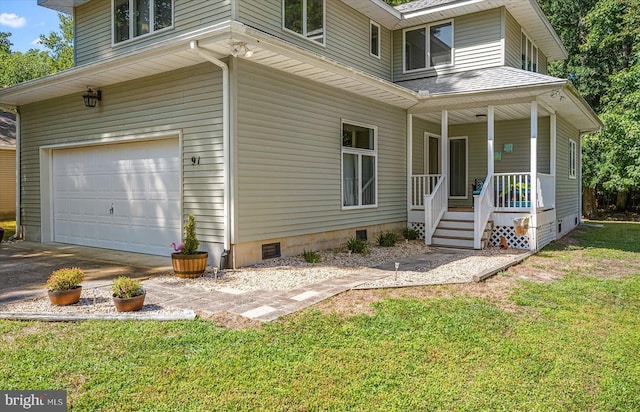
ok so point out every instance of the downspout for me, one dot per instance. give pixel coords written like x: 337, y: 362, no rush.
x: 18, y: 234
x: 226, y: 137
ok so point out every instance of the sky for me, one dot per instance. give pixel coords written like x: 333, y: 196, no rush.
x: 26, y: 21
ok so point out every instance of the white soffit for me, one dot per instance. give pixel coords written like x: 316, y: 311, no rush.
x: 64, y: 6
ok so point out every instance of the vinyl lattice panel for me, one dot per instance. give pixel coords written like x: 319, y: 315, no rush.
x: 419, y: 227
x: 509, y: 233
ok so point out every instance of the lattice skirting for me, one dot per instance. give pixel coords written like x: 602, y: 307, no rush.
x: 419, y: 227
x: 516, y: 242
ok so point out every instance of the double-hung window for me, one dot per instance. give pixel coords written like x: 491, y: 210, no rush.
x: 428, y: 46
x: 134, y: 18
x: 305, y: 17
x: 359, y: 165
x: 529, y: 53
x: 573, y: 159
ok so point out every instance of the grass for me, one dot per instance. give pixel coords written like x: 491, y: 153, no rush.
x: 569, y: 344
x: 9, y: 227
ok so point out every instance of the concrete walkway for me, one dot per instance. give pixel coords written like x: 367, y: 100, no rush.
x: 26, y: 266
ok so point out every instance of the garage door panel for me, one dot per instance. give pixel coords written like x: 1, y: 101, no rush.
x: 122, y: 196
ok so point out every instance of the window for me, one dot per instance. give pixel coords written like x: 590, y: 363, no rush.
x: 428, y: 46
x: 305, y: 17
x: 359, y: 165
x: 133, y: 18
x: 374, y: 39
x: 529, y: 53
x: 573, y: 158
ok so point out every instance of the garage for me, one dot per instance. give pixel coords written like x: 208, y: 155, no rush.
x: 122, y: 196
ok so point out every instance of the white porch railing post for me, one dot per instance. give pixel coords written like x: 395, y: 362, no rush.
x: 534, y: 174
x: 411, y: 195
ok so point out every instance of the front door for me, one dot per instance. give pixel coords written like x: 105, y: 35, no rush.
x: 458, y: 168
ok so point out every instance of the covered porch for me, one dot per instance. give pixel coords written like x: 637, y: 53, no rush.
x: 477, y: 171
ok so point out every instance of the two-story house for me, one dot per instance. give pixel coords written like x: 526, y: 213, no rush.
x: 285, y: 125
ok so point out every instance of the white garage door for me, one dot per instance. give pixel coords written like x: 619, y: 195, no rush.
x: 120, y: 196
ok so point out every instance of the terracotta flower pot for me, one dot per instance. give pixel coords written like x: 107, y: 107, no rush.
x: 129, y: 304
x: 65, y: 297
x: 189, y: 266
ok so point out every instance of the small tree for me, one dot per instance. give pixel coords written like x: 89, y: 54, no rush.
x: 190, y: 241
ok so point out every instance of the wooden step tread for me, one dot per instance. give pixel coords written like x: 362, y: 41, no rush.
x: 452, y: 237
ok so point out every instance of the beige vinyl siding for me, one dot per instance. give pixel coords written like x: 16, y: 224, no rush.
x: 187, y: 100
x: 513, y: 46
x: 513, y: 42
x: 477, y: 41
x: 289, y: 159
x: 7, y: 183
x: 420, y: 127
x: 347, y: 34
x: 94, y: 33
x: 567, y: 190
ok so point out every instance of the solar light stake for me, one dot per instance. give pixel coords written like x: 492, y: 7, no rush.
x: 397, y: 265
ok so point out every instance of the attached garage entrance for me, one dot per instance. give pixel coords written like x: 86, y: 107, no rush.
x: 119, y: 196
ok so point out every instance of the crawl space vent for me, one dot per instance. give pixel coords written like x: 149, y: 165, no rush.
x: 271, y: 250
x: 361, y: 234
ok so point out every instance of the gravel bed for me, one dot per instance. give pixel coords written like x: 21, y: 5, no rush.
x: 293, y: 272
x: 93, y: 301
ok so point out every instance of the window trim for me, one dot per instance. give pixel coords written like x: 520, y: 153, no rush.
x: 371, y: 25
x: 573, y: 159
x: 537, y: 62
x: 151, y: 32
x: 427, y: 32
x: 304, y: 23
x: 359, y: 152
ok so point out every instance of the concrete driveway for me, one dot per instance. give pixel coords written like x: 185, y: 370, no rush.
x: 26, y: 266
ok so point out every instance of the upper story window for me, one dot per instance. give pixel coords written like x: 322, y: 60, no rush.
x: 374, y: 39
x: 428, y: 46
x: 529, y: 54
x: 133, y: 18
x: 305, y: 17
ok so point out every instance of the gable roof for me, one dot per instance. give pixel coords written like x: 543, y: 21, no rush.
x: 7, y: 129
x: 526, y: 12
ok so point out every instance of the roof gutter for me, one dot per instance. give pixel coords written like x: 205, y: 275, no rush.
x: 226, y: 138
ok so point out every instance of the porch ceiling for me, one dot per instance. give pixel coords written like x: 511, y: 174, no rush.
x: 511, y: 111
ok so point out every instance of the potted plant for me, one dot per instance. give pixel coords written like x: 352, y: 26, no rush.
x: 128, y: 294
x: 64, y: 287
x: 187, y: 261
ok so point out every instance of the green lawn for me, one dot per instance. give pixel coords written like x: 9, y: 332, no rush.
x: 9, y: 227
x: 569, y: 344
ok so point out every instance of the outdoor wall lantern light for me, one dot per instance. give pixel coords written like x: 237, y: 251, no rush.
x: 91, y: 97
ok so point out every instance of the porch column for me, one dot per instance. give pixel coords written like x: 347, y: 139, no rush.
x: 409, y: 163
x: 534, y: 175
x: 490, y: 138
x: 444, y: 146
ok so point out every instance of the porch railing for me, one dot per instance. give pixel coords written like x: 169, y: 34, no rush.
x: 512, y: 191
x: 435, y: 204
x: 422, y: 185
x: 482, y: 209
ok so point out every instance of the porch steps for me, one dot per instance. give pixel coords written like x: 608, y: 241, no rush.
x: 455, y: 230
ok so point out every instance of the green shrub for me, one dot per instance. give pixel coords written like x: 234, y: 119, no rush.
x: 311, y: 256
x: 387, y: 239
x: 65, y: 279
x: 126, y: 288
x: 190, y: 241
x: 356, y: 245
x: 410, y: 234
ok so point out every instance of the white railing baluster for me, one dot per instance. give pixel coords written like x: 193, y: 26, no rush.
x: 422, y: 185
x: 435, y: 204
x: 482, y: 209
